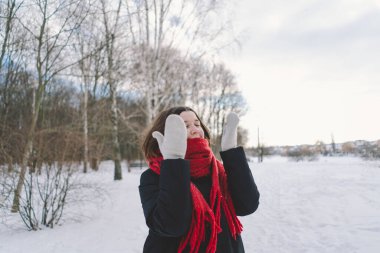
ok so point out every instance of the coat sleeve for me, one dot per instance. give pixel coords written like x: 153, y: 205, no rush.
x: 166, y: 199
x: 241, y: 184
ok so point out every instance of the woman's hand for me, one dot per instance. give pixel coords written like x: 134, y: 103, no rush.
x: 229, y: 136
x: 173, y: 143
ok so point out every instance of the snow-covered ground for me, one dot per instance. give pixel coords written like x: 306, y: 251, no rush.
x: 330, y: 205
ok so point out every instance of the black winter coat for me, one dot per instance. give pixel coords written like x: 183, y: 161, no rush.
x: 167, y: 206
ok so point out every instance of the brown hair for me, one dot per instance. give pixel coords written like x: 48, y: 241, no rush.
x: 150, y: 145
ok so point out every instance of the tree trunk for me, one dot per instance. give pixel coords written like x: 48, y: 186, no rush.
x: 85, y: 129
x: 115, y: 138
x: 37, y: 98
x: 110, y: 46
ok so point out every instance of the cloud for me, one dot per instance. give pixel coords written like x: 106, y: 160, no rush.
x: 309, y: 69
x: 361, y: 32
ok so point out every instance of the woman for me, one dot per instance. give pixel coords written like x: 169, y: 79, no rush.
x: 190, y: 199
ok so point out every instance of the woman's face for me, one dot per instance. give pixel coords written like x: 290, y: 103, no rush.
x: 193, y: 125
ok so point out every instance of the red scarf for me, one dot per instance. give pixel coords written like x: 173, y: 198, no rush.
x: 202, y: 163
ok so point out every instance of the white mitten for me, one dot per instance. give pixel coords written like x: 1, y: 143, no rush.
x: 229, y: 136
x: 173, y: 143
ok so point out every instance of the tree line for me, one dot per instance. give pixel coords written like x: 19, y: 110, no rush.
x: 81, y: 80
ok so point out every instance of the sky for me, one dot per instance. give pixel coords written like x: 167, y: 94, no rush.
x: 309, y: 69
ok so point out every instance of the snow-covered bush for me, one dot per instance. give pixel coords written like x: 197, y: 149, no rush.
x: 302, y: 153
x: 44, y: 196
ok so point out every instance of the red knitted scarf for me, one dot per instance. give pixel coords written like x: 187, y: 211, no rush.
x: 202, y: 163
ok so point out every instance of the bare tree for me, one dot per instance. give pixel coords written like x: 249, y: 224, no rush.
x: 111, y: 24
x: 8, y: 12
x: 215, y: 95
x: 9, y: 66
x: 50, y: 25
x: 12, y: 72
x: 158, y: 28
x: 90, y: 47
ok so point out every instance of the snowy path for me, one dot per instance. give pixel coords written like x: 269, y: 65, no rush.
x: 332, y: 205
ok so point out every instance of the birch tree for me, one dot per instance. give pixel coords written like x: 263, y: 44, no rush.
x: 111, y: 19
x: 89, y: 45
x: 50, y: 25
x: 159, y: 27
x: 215, y: 95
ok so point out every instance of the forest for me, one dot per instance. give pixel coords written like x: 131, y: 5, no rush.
x: 81, y: 80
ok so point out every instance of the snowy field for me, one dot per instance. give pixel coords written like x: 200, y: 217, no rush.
x: 330, y: 205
